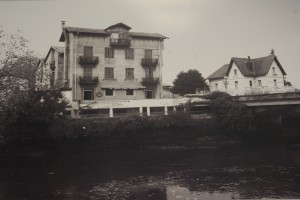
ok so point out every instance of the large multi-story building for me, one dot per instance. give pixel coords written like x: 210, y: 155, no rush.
x: 112, y: 63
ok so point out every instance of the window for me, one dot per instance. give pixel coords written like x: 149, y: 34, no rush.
x: 115, y: 36
x: 148, y: 53
x: 109, y: 92
x: 88, y: 94
x: 129, y: 92
x: 123, y: 35
x: 216, y: 86
x: 129, y: 73
x: 129, y: 53
x: 87, y: 72
x: 273, y: 68
x: 109, y: 52
x: 236, y: 83
x: 149, y: 73
x: 259, y: 83
x: 87, y: 52
x: 235, y: 72
x: 275, y: 82
x: 250, y: 83
x: 109, y: 72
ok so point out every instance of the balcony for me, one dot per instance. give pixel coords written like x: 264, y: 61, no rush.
x: 119, y: 42
x: 147, y: 62
x: 88, y: 60
x: 150, y: 81
x: 88, y: 80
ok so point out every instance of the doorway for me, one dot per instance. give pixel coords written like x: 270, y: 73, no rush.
x: 149, y: 94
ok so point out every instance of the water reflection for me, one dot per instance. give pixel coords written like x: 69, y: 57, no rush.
x: 229, y: 173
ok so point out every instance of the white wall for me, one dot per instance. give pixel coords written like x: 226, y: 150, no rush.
x: 243, y: 87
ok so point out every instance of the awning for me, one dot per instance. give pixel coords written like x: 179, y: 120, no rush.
x: 122, y: 85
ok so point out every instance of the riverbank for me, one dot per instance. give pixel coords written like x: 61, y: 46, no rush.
x: 175, y: 131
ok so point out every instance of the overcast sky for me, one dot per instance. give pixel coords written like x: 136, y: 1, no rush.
x: 204, y: 34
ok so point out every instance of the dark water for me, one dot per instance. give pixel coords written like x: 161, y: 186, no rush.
x: 211, y: 173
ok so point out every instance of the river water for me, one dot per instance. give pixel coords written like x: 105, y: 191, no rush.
x: 168, y: 173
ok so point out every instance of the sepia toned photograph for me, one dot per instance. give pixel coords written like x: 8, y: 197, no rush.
x: 149, y: 99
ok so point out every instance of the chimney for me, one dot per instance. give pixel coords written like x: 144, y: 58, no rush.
x: 249, y: 60
x: 63, y: 24
x: 272, y: 52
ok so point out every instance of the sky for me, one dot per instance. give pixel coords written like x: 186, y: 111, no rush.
x: 203, y: 34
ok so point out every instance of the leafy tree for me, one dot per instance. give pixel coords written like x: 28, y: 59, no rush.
x: 19, y: 101
x: 188, y: 82
x: 229, y: 114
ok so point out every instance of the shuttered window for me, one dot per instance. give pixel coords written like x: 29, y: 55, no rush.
x: 109, y: 52
x: 149, y: 73
x: 109, y: 72
x: 129, y: 53
x: 148, y: 54
x: 129, y: 73
x: 87, y: 73
x: 88, y: 52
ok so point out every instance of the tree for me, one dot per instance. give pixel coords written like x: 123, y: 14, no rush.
x: 230, y: 115
x: 19, y: 101
x: 188, y: 82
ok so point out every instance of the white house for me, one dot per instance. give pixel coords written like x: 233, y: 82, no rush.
x: 244, y: 76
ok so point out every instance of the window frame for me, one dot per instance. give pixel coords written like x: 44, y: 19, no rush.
x: 88, y: 51
x: 129, y: 92
x: 91, y: 95
x: 109, y: 73
x: 109, y: 90
x: 129, y: 73
x: 109, y: 52
x: 129, y: 53
x: 259, y: 83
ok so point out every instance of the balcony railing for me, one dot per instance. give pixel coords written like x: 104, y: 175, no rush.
x: 149, y: 62
x: 119, y: 42
x: 88, y: 60
x: 88, y: 80
x: 150, y: 81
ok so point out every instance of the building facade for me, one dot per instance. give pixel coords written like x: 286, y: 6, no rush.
x: 50, y: 71
x: 112, y: 63
x: 244, y: 76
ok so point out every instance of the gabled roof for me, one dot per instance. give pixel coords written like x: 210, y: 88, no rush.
x: 105, y: 32
x: 119, y: 25
x: 58, y: 49
x: 253, y: 67
x: 220, y: 73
